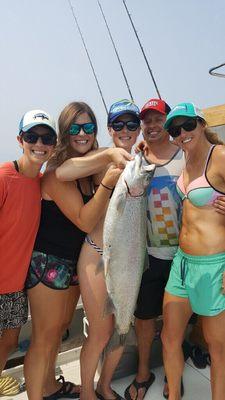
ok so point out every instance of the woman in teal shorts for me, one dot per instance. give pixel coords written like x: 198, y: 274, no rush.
x: 197, y: 278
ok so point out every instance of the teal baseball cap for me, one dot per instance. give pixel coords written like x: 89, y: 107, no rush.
x: 188, y: 110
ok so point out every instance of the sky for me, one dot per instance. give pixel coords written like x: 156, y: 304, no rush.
x: 44, y: 64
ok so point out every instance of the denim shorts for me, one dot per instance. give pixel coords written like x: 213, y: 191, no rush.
x: 198, y: 278
x: 13, y: 310
x: 54, y: 272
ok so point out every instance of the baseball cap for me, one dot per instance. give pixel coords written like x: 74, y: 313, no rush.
x: 183, y: 110
x: 157, y: 105
x: 123, y: 107
x: 36, y: 117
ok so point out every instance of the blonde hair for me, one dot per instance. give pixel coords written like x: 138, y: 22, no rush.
x: 63, y: 150
x: 212, y: 137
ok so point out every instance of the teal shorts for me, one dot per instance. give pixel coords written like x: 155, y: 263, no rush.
x: 198, y: 278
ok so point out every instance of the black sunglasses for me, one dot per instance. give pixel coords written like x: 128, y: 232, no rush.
x: 32, y: 137
x: 88, y: 128
x: 131, y: 125
x: 188, y: 125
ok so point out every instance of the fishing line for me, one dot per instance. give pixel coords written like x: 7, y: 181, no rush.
x: 88, y: 55
x: 142, y: 49
x: 115, y: 49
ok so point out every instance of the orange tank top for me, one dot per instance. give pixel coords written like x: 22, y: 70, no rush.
x: 19, y: 220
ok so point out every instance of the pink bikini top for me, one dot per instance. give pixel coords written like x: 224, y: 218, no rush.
x: 200, y: 192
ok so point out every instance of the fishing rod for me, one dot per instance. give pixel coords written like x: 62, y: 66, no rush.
x: 142, y: 49
x: 211, y: 71
x: 88, y: 55
x: 115, y: 49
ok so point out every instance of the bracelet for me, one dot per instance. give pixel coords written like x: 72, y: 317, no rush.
x: 106, y: 187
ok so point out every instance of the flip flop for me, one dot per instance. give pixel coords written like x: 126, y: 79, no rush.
x: 139, y: 385
x: 198, y: 357
x: 166, y: 396
x: 100, y: 397
x: 66, y: 391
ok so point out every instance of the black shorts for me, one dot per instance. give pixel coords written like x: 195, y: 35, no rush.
x: 54, y: 272
x: 150, y: 297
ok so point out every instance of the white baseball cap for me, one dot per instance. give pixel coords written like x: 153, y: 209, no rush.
x: 34, y: 118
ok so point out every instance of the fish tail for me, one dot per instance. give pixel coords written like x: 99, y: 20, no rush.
x: 116, y: 341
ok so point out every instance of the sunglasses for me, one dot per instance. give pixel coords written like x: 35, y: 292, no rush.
x: 188, y: 125
x: 32, y: 137
x: 131, y: 125
x: 88, y: 128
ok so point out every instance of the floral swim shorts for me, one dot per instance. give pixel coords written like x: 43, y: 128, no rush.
x: 13, y: 310
x: 54, y: 272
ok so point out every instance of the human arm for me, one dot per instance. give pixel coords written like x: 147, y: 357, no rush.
x: 219, y: 203
x: 93, y: 163
x: 68, y: 198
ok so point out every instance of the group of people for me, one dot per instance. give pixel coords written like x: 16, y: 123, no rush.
x: 51, y: 243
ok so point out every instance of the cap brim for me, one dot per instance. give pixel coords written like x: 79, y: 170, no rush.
x: 142, y: 113
x: 122, y: 113
x: 169, y: 120
x: 29, y: 126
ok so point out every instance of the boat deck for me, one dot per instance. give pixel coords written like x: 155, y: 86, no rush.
x: 196, y: 381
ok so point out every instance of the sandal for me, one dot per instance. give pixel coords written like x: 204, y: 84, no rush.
x: 166, y: 395
x: 100, y: 397
x: 198, y: 357
x: 139, y: 385
x: 66, y: 391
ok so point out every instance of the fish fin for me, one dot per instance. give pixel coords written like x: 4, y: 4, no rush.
x: 100, y: 266
x: 121, y: 202
x: 109, y: 307
x: 116, y: 341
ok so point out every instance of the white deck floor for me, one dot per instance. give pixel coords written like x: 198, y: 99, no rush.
x: 196, y: 381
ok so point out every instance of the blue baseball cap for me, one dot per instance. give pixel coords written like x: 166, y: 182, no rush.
x: 188, y: 110
x: 123, y: 107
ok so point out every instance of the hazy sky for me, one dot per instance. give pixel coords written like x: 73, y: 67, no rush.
x: 44, y: 65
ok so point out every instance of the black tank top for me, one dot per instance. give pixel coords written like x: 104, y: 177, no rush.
x: 57, y: 235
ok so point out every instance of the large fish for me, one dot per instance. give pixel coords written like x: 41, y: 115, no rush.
x: 124, y: 242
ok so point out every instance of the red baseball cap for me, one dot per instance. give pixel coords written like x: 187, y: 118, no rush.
x: 157, y: 105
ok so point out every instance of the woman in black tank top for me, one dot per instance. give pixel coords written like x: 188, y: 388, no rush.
x: 69, y: 209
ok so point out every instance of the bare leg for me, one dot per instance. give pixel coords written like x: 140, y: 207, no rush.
x: 8, y: 343
x: 46, y: 335
x: 94, y: 295
x: 176, y: 313
x: 145, y: 332
x: 110, y: 363
x: 214, y: 332
x: 51, y: 384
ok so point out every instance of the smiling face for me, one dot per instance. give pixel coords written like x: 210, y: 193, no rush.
x: 37, y: 153
x: 124, y: 138
x: 82, y: 142
x: 152, y: 126
x: 188, y: 137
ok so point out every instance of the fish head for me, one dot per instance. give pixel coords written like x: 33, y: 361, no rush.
x: 137, y: 175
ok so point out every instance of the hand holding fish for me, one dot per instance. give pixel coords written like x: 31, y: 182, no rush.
x: 141, y: 147
x: 119, y: 156
x: 111, y: 177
